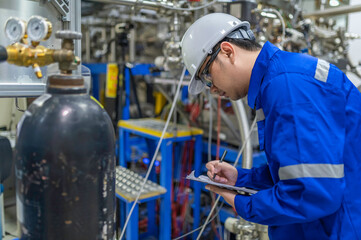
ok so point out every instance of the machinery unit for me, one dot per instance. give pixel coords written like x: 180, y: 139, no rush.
x: 65, y: 151
x: 65, y: 165
x: 63, y: 15
x: 67, y: 181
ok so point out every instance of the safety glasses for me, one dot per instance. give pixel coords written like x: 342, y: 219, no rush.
x: 205, y: 76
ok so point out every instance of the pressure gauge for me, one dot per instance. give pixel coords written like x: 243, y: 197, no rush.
x: 15, y: 29
x: 38, y: 29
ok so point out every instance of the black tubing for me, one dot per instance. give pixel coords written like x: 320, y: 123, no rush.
x: 3, y: 54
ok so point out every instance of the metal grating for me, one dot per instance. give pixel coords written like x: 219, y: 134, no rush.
x: 128, y: 184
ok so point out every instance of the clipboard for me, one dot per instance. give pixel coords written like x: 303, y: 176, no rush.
x: 207, y: 180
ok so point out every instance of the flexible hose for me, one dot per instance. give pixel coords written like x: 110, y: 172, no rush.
x: 214, y: 206
x: 235, y: 164
x: 155, y: 153
x: 191, y: 9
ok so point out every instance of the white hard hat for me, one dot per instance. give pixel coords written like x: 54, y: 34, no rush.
x: 203, y: 35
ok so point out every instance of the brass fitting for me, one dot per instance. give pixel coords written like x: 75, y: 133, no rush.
x: 39, y: 56
x: 29, y: 52
x: 22, y: 55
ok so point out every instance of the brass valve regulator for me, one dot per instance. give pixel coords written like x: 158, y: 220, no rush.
x: 26, y: 50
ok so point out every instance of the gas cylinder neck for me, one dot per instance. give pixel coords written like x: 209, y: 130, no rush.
x: 66, y: 84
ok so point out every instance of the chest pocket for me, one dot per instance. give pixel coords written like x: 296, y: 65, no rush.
x: 260, y: 125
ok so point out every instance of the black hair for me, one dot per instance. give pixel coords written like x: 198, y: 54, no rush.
x: 245, y: 44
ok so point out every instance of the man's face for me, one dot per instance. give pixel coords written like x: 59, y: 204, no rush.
x: 204, y: 75
x: 219, y: 73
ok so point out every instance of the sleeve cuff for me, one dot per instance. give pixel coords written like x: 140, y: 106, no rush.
x: 243, y: 177
x: 240, y: 204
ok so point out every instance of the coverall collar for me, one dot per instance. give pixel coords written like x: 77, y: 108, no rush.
x: 258, y: 72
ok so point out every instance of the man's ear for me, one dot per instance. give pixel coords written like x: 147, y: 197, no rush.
x: 228, y: 50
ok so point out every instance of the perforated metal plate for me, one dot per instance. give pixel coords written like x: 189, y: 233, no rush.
x: 128, y: 184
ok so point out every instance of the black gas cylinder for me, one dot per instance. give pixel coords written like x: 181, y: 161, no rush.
x: 65, y: 165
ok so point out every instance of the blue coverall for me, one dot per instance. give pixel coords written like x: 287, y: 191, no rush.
x: 309, y: 124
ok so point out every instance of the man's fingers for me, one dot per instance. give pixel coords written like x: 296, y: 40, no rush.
x: 210, y: 175
x: 213, y: 188
x: 210, y: 166
x: 222, y: 179
x: 217, y: 178
x: 228, y: 195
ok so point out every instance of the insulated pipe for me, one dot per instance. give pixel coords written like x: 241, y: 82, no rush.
x: 334, y: 11
x: 152, y: 5
x: 145, y: 4
x: 240, y: 112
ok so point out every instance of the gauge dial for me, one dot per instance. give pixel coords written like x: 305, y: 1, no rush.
x: 15, y: 29
x: 38, y: 28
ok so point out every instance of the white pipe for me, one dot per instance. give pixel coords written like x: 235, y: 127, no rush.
x: 238, y: 107
x: 334, y: 11
x: 154, y: 5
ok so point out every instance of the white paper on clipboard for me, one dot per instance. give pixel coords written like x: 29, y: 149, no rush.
x: 206, y: 179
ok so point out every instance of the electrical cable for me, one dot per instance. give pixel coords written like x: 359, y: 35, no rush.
x: 173, y: 204
x: 191, y: 9
x: 155, y: 153
x: 219, y: 227
x: 120, y: 93
x: 132, y: 79
x: 210, y: 101
x: 213, y: 225
x: 235, y: 163
x: 195, y: 230
x: 184, y: 202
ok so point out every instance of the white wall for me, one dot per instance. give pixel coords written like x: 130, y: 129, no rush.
x: 8, y: 111
x: 354, y: 26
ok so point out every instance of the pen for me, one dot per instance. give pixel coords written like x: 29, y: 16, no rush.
x: 220, y: 160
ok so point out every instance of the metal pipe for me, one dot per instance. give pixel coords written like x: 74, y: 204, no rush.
x: 2, y: 215
x: 334, y: 11
x: 153, y: 5
x: 145, y: 4
x: 112, y: 56
x: 226, y: 120
x: 240, y: 112
x: 132, y: 38
x: 87, y: 45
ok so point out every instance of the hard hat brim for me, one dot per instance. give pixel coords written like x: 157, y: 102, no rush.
x: 196, y: 86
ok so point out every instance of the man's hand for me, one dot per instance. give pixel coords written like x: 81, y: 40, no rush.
x: 225, y: 173
x: 228, y: 195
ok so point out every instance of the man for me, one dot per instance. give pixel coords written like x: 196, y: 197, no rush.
x: 309, y: 124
